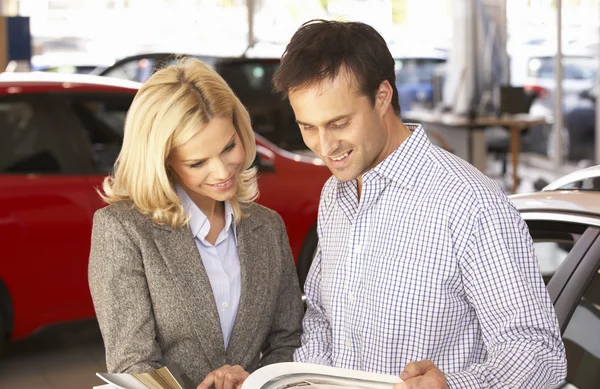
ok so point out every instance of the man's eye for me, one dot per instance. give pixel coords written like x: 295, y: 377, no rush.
x: 342, y: 125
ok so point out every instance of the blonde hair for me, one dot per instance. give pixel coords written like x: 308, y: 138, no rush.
x: 168, y: 110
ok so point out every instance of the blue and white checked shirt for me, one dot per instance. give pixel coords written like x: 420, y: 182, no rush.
x: 433, y: 263
x: 221, y: 261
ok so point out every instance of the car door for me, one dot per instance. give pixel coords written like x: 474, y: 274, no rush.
x: 44, y: 207
x: 568, y: 250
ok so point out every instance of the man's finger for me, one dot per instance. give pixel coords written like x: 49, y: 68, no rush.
x: 415, y: 369
x: 400, y: 385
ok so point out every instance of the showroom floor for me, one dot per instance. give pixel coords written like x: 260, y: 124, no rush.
x: 68, y: 356
x: 62, y: 357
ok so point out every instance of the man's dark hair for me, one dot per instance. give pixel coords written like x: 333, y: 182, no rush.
x: 320, y: 48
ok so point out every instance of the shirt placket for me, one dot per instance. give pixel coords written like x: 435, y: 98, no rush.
x: 352, y: 280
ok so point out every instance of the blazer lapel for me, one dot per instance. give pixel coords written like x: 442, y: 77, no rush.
x: 183, y: 260
x: 255, y: 282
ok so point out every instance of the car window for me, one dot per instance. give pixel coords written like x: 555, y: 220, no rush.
x: 553, y: 241
x: 551, y: 254
x: 574, y: 68
x: 592, y: 183
x: 103, y: 118
x: 140, y: 69
x: 581, y: 339
x: 271, y: 116
x: 28, y: 142
x: 250, y: 80
x: 69, y: 69
x: 416, y: 70
x: 135, y: 70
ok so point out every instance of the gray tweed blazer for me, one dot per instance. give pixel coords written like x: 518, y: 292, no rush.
x: 155, y: 305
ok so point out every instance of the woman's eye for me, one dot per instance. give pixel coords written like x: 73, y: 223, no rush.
x: 230, y: 147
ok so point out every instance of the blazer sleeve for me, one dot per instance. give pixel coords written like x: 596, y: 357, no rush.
x: 121, y: 298
x: 286, y: 329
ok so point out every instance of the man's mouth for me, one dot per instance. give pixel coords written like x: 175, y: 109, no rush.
x: 341, y: 157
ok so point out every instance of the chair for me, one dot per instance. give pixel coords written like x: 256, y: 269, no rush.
x: 513, y: 100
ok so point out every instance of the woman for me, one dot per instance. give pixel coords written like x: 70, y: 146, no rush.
x: 184, y: 267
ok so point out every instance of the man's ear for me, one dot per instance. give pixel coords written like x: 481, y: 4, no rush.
x: 383, y: 97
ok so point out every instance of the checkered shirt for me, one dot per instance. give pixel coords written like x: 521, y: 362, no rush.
x: 433, y: 262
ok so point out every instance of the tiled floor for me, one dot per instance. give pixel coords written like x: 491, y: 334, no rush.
x: 68, y: 356
x: 62, y: 357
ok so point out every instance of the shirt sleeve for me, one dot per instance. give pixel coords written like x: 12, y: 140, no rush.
x: 316, y: 341
x: 316, y: 337
x: 518, y: 323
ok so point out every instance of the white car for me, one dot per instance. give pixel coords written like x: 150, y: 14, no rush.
x: 564, y: 222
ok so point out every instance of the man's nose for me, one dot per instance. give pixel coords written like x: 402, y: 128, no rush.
x: 328, y: 143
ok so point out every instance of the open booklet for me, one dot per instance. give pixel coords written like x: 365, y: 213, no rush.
x: 169, y: 377
x: 287, y: 375
x: 292, y: 375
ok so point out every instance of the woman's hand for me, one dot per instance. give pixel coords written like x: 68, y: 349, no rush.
x: 225, y: 377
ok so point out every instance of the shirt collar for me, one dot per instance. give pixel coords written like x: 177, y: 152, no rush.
x: 199, y: 224
x: 403, y: 164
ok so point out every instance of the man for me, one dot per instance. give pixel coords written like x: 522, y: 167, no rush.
x: 424, y: 267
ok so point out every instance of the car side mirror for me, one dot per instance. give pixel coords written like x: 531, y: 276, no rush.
x: 264, y: 160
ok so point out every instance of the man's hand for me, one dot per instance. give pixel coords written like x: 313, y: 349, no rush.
x: 422, y: 375
x: 225, y: 377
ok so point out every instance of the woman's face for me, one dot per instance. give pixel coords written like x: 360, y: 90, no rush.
x: 209, y: 164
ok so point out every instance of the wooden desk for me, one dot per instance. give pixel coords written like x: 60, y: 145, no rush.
x: 478, y: 144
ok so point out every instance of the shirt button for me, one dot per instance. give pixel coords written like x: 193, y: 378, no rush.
x: 351, y: 296
x: 348, y: 344
x: 358, y: 249
x: 225, y: 305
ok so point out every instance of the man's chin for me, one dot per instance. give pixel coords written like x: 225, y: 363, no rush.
x: 343, y: 175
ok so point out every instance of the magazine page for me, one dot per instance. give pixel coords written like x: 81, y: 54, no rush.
x: 292, y: 375
x: 158, y: 379
x: 168, y: 377
x: 121, y: 381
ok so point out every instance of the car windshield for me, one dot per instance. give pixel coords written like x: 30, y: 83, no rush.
x: 416, y: 70
x: 574, y: 68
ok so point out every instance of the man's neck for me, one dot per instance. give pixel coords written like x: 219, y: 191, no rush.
x: 397, y: 134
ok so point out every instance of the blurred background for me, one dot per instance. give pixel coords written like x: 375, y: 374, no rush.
x: 509, y: 85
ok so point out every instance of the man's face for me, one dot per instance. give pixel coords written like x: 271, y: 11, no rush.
x: 340, y: 125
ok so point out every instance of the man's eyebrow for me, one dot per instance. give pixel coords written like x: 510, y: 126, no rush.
x: 335, y: 119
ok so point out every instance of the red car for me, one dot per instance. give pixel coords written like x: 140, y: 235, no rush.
x: 60, y: 135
